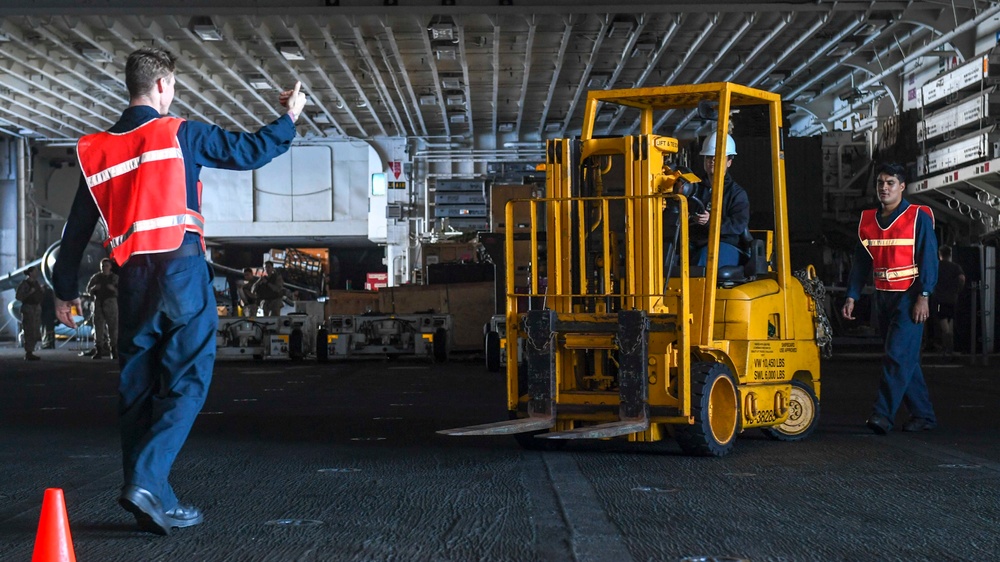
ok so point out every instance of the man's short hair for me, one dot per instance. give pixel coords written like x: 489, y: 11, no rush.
x: 269, y: 263
x: 945, y: 252
x: 892, y: 169
x: 248, y: 270
x: 144, y: 67
x: 30, y: 269
x: 105, y: 261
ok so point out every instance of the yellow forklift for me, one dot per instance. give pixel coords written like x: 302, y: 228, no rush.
x: 619, y: 335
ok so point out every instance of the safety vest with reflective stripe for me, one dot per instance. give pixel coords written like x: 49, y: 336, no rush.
x: 137, y: 181
x: 893, y: 249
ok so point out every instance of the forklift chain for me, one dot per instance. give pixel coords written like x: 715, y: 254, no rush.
x: 824, y: 331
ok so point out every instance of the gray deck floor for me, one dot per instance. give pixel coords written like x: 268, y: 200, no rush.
x: 340, y: 461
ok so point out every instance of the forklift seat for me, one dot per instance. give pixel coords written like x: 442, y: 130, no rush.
x: 753, y: 262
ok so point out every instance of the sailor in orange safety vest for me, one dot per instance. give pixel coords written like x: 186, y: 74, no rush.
x: 897, y: 250
x: 140, y: 180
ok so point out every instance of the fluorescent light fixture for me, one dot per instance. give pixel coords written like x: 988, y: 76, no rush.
x: 456, y: 118
x: 442, y: 32
x: 290, y: 50
x: 205, y: 28
x: 553, y: 126
x: 321, y: 118
x: 505, y: 127
x: 446, y: 53
x: 428, y: 100
x: 451, y: 83
x: 455, y: 99
x: 258, y: 82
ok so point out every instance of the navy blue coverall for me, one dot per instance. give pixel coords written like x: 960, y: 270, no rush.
x: 167, y: 307
x: 902, y: 378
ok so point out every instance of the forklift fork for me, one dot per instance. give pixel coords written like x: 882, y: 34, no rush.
x: 540, y: 362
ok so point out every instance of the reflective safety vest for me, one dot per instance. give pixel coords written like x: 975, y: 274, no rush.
x: 137, y: 181
x: 893, y: 249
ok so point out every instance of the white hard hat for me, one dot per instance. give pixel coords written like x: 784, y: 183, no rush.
x: 708, y: 149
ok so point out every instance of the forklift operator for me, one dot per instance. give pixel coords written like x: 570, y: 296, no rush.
x: 735, y: 211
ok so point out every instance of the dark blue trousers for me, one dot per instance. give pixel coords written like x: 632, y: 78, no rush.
x: 167, y: 350
x: 902, y: 378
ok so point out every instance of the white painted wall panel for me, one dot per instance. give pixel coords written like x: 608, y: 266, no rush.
x: 312, y: 183
x: 272, y: 196
x: 226, y: 195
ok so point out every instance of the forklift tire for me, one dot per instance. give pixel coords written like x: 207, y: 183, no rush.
x: 803, y: 415
x: 493, y: 352
x: 440, y: 345
x: 715, y: 406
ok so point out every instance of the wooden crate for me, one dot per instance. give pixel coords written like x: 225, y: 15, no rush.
x: 350, y: 302
x: 501, y: 194
x: 470, y: 306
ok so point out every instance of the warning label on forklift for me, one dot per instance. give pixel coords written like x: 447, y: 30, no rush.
x: 768, y: 368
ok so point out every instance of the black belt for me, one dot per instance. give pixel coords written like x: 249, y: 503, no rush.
x: 187, y: 250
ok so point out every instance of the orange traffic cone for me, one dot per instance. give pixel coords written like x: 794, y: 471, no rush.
x: 53, y: 543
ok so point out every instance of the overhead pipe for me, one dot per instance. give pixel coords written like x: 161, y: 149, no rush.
x: 692, y: 49
x: 33, y: 122
x: 808, y: 34
x: 559, y: 63
x: 394, y: 46
x: 529, y: 43
x: 436, y: 77
x: 213, y: 53
x: 967, y: 26
x: 27, y: 46
x: 156, y: 32
x: 293, y: 30
x: 496, y: 68
x: 268, y: 43
x: 910, y: 36
x: 633, y: 38
x: 465, y: 75
x: 114, y: 26
x: 582, y: 86
x: 331, y: 44
x: 393, y: 75
x: 651, y: 64
x: 747, y: 23
x: 55, y: 40
x: 380, y: 88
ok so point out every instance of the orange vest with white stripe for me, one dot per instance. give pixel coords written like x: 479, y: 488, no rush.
x: 893, y: 249
x: 137, y: 180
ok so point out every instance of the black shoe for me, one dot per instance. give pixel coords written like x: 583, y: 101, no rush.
x: 147, y: 510
x: 97, y: 355
x: 185, y: 516
x: 29, y: 356
x: 879, y: 424
x: 919, y: 424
